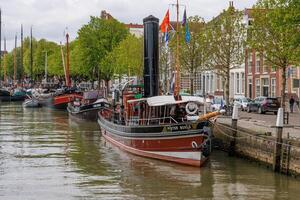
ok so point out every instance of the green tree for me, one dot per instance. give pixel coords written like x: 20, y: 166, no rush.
x: 78, y: 67
x: 274, y: 32
x: 97, y: 39
x: 194, y: 55
x: 126, y: 58
x: 226, y: 34
x: 129, y: 55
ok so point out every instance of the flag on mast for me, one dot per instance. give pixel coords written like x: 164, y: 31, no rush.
x: 184, y: 18
x: 186, y: 25
x: 164, y: 27
x: 167, y: 38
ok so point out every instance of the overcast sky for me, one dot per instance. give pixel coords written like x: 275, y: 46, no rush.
x: 49, y: 18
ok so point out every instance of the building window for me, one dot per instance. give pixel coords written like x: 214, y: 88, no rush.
x: 243, y: 83
x: 212, y: 83
x: 265, y: 68
x: 265, y: 82
x: 265, y: 87
x: 257, y: 66
x: 207, y: 84
x: 231, y: 83
x: 257, y: 86
x: 218, y: 82
x: 250, y: 94
x: 273, y: 87
x: 237, y: 83
x: 250, y: 62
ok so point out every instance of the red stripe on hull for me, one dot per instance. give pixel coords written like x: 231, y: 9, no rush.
x: 63, y: 100
x: 142, y: 148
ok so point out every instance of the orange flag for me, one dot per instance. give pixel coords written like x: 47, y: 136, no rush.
x: 164, y: 27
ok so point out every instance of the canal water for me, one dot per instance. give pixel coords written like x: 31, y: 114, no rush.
x: 46, y: 155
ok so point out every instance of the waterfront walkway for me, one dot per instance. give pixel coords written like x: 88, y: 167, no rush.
x: 265, y: 123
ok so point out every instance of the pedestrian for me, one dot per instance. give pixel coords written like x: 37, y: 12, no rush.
x: 292, y: 101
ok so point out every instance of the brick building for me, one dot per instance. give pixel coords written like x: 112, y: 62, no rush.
x: 264, y: 80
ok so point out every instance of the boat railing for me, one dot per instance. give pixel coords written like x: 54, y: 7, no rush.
x: 149, y: 121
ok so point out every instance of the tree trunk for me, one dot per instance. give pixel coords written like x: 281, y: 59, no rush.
x: 99, y: 80
x: 192, y: 85
x: 107, y: 87
x: 227, y: 81
x: 283, y: 84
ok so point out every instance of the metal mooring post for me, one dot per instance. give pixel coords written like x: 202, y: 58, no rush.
x: 278, y: 144
x: 235, y: 117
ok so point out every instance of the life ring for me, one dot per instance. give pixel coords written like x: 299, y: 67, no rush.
x: 191, y: 108
x: 194, y: 144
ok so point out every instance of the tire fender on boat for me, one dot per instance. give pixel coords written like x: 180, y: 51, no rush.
x: 194, y: 144
x: 191, y: 108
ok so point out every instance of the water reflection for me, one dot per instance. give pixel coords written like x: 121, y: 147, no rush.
x: 46, y: 155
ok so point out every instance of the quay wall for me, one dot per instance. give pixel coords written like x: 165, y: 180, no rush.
x: 259, y: 147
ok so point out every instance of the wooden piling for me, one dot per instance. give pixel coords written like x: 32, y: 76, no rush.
x: 278, y: 144
x: 234, y: 122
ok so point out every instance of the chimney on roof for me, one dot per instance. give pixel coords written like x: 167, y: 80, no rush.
x: 230, y: 3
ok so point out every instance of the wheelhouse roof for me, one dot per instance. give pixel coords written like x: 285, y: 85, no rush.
x: 168, y: 100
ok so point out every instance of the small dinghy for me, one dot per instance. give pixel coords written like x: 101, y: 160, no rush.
x: 31, y: 103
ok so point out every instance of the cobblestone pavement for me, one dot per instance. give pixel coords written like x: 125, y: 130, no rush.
x: 263, y: 123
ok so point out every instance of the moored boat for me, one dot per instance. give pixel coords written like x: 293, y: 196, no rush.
x: 89, y: 106
x: 31, y: 103
x: 170, y: 128
x: 16, y: 95
x: 183, y: 139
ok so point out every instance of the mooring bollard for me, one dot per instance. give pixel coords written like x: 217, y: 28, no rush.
x: 278, y: 144
x: 235, y: 117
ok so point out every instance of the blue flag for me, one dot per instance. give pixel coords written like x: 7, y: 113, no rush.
x: 167, y: 38
x: 187, y: 31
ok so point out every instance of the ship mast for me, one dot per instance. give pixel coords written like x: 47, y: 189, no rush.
x: 15, y: 60
x: 68, y: 63
x: 177, y: 70
x: 31, y: 55
x: 4, y: 62
x: 21, y: 55
x: 0, y: 37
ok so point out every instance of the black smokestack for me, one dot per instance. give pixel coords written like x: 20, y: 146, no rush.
x: 151, y: 73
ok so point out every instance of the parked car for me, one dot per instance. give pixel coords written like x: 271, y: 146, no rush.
x: 263, y: 105
x: 217, y: 104
x: 242, y: 102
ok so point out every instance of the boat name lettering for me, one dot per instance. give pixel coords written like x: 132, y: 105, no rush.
x: 179, y: 128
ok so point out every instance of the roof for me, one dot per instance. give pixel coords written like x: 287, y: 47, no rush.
x: 134, y: 25
x: 161, y: 100
x: 169, y: 100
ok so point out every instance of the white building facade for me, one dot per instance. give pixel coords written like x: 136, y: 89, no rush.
x: 213, y: 84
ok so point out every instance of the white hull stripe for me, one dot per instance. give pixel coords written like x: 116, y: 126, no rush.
x: 195, y: 155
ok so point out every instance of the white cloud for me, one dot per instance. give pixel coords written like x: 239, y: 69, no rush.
x: 50, y: 17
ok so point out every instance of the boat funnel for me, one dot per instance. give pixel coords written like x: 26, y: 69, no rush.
x: 151, y: 55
